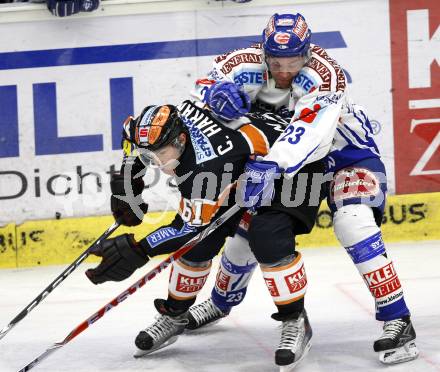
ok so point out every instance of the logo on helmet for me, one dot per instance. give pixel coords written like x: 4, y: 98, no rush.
x: 151, y: 125
x: 270, y: 28
x: 285, y: 22
x: 158, y: 122
x: 143, y: 134
x: 290, y: 37
x: 300, y: 29
x: 282, y: 38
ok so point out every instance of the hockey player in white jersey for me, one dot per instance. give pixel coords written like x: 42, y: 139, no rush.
x: 288, y: 75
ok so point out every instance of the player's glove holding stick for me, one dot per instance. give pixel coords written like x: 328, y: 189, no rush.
x: 121, y: 256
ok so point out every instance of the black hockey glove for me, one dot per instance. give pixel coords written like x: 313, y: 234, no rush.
x: 121, y: 256
x: 127, y: 205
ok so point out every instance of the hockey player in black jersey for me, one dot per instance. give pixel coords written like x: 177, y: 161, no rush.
x: 206, y: 159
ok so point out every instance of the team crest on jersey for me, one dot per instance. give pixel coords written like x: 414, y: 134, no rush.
x: 282, y: 38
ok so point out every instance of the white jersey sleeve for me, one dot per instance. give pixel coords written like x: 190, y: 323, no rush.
x: 245, y: 67
x: 318, y: 95
x: 309, y: 135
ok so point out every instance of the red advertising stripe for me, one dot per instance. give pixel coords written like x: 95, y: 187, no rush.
x: 415, y: 31
x: 222, y: 280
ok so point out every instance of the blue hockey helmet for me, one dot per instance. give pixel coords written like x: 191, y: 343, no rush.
x: 286, y: 35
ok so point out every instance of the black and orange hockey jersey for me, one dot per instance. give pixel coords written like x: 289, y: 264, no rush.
x: 215, y: 159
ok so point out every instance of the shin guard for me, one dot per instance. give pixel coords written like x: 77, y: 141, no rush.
x: 287, y: 283
x: 356, y: 229
x: 379, y: 275
x: 231, y: 283
x: 186, y: 281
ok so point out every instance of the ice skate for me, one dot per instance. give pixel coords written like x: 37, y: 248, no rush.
x: 397, y: 343
x: 163, y: 332
x: 203, y: 314
x: 296, y: 334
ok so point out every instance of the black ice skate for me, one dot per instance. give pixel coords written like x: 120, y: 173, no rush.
x: 203, y: 314
x: 163, y: 332
x: 397, y: 345
x: 296, y: 334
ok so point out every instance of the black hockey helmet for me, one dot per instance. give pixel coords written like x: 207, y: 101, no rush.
x: 156, y: 127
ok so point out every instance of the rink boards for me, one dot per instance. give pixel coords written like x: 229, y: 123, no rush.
x: 63, y: 100
x: 412, y: 217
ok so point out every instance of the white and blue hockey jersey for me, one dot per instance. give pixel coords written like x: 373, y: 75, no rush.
x: 325, y: 121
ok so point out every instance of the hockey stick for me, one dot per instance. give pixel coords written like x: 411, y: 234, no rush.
x: 57, y: 281
x: 132, y: 289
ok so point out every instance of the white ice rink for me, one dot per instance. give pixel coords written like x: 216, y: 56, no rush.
x: 339, y: 306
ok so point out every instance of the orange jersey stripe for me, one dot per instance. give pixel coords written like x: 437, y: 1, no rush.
x: 256, y: 138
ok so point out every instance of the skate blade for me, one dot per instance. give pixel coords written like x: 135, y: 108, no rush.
x: 291, y: 367
x: 401, y: 354
x: 140, y: 353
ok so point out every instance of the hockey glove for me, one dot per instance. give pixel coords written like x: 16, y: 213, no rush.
x: 126, y: 202
x: 121, y: 256
x: 258, y: 189
x: 227, y: 100
x: 65, y: 8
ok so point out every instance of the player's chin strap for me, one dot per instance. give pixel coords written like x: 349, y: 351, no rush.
x: 133, y: 288
x: 60, y: 278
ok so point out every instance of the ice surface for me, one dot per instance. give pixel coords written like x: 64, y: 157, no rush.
x: 340, y: 309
